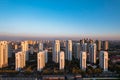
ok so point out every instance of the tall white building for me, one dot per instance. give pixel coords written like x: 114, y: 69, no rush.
x: 40, y: 46
x: 3, y: 54
x: 24, y: 45
x: 40, y: 61
x: 56, y: 50
x: 68, y: 54
x: 103, y: 61
x: 61, y: 60
x: 83, y: 57
x: 46, y: 55
x: 19, y: 60
x: 77, y: 50
x: 92, y: 53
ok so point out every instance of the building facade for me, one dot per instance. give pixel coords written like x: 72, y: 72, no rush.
x: 92, y: 53
x: 61, y: 60
x: 83, y: 60
x: 103, y: 60
x: 105, y: 43
x: 19, y: 60
x: 77, y: 50
x: 24, y: 45
x: 56, y: 50
x: 98, y: 42
x: 40, y: 61
x: 68, y: 54
x: 46, y: 55
x: 3, y: 54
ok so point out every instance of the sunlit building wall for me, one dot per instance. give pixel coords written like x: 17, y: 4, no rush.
x: 56, y: 50
x: 24, y: 45
x: 40, y: 61
x: 19, y: 60
x: 103, y: 60
x: 61, y: 60
x: 3, y: 54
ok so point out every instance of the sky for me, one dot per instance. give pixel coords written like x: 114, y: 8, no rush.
x: 60, y: 19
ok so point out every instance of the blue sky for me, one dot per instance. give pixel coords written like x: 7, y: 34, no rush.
x: 60, y: 18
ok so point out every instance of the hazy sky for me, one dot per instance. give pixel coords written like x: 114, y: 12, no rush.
x: 60, y: 18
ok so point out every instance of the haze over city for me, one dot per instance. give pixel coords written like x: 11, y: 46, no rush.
x: 59, y: 19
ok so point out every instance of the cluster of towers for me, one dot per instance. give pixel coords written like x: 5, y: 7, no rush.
x: 93, y: 50
x: 83, y: 51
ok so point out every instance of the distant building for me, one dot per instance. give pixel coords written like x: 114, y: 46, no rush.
x: 19, y: 60
x: 3, y: 54
x: 40, y: 46
x: 40, y: 61
x: 68, y: 54
x: 84, y: 47
x: 103, y: 61
x: 92, y: 53
x: 24, y: 45
x: 83, y: 60
x: 56, y: 50
x: 105, y: 45
x: 61, y: 60
x: 77, y: 50
x: 98, y: 42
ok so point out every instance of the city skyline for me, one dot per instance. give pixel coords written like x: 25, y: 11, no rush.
x: 50, y: 19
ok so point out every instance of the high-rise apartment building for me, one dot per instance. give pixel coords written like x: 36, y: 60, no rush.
x: 3, y: 54
x: 19, y: 60
x: 68, y: 54
x: 83, y: 57
x: 103, y: 60
x: 56, y: 50
x: 24, y: 45
x: 77, y: 50
x: 40, y: 60
x: 92, y: 53
x: 61, y: 60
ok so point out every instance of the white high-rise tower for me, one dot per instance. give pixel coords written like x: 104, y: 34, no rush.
x: 40, y: 60
x: 19, y: 60
x: 103, y: 61
x: 83, y: 60
x: 61, y: 60
x: 68, y: 54
x: 92, y: 53
x: 56, y: 50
